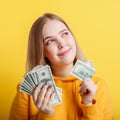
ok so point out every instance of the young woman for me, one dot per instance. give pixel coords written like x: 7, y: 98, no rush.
x: 52, y: 42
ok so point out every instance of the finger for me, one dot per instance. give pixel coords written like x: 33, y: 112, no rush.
x: 89, y: 81
x: 41, y: 95
x: 47, y: 95
x: 36, y: 92
x: 83, y: 83
x: 51, y: 98
x: 90, y: 85
x: 83, y: 90
x: 86, y: 84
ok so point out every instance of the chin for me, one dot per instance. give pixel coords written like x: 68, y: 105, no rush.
x: 68, y: 61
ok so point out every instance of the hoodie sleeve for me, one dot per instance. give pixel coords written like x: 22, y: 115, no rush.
x: 19, y: 108
x: 23, y: 108
x: 102, y: 109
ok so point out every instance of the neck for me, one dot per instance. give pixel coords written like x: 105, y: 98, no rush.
x: 61, y: 71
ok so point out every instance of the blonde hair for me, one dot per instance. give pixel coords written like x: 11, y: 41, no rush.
x: 36, y: 46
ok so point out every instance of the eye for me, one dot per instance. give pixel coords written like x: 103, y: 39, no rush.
x: 50, y: 41
x: 65, y: 34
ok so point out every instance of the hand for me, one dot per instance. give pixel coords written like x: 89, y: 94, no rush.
x: 43, y: 98
x: 87, y: 91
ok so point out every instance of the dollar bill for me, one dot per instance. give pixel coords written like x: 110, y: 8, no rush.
x: 44, y: 75
x: 83, y: 70
x: 90, y: 64
x: 41, y: 75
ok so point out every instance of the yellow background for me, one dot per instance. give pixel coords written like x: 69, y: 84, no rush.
x: 96, y: 25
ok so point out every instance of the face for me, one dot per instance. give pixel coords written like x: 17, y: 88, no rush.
x: 59, y: 44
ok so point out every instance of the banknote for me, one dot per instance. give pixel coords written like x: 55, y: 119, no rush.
x: 83, y: 70
x: 40, y: 75
x: 90, y: 64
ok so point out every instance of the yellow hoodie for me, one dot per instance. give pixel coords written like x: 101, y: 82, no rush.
x: 71, y: 108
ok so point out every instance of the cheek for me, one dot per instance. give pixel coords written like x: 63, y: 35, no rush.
x: 73, y: 44
x: 49, y: 52
x: 71, y: 39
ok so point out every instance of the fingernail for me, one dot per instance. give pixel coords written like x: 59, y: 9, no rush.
x: 50, y: 86
x: 38, y: 84
x: 46, y: 83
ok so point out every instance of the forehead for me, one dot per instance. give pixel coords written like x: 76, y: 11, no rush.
x: 53, y: 27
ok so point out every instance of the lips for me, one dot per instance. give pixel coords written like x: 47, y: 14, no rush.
x: 64, y: 52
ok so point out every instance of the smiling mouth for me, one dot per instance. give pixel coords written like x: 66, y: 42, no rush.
x: 64, y: 52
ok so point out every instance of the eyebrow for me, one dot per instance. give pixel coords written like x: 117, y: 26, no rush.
x: 52, y: 36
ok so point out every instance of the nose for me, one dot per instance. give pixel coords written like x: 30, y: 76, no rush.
x: 61, y: 43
